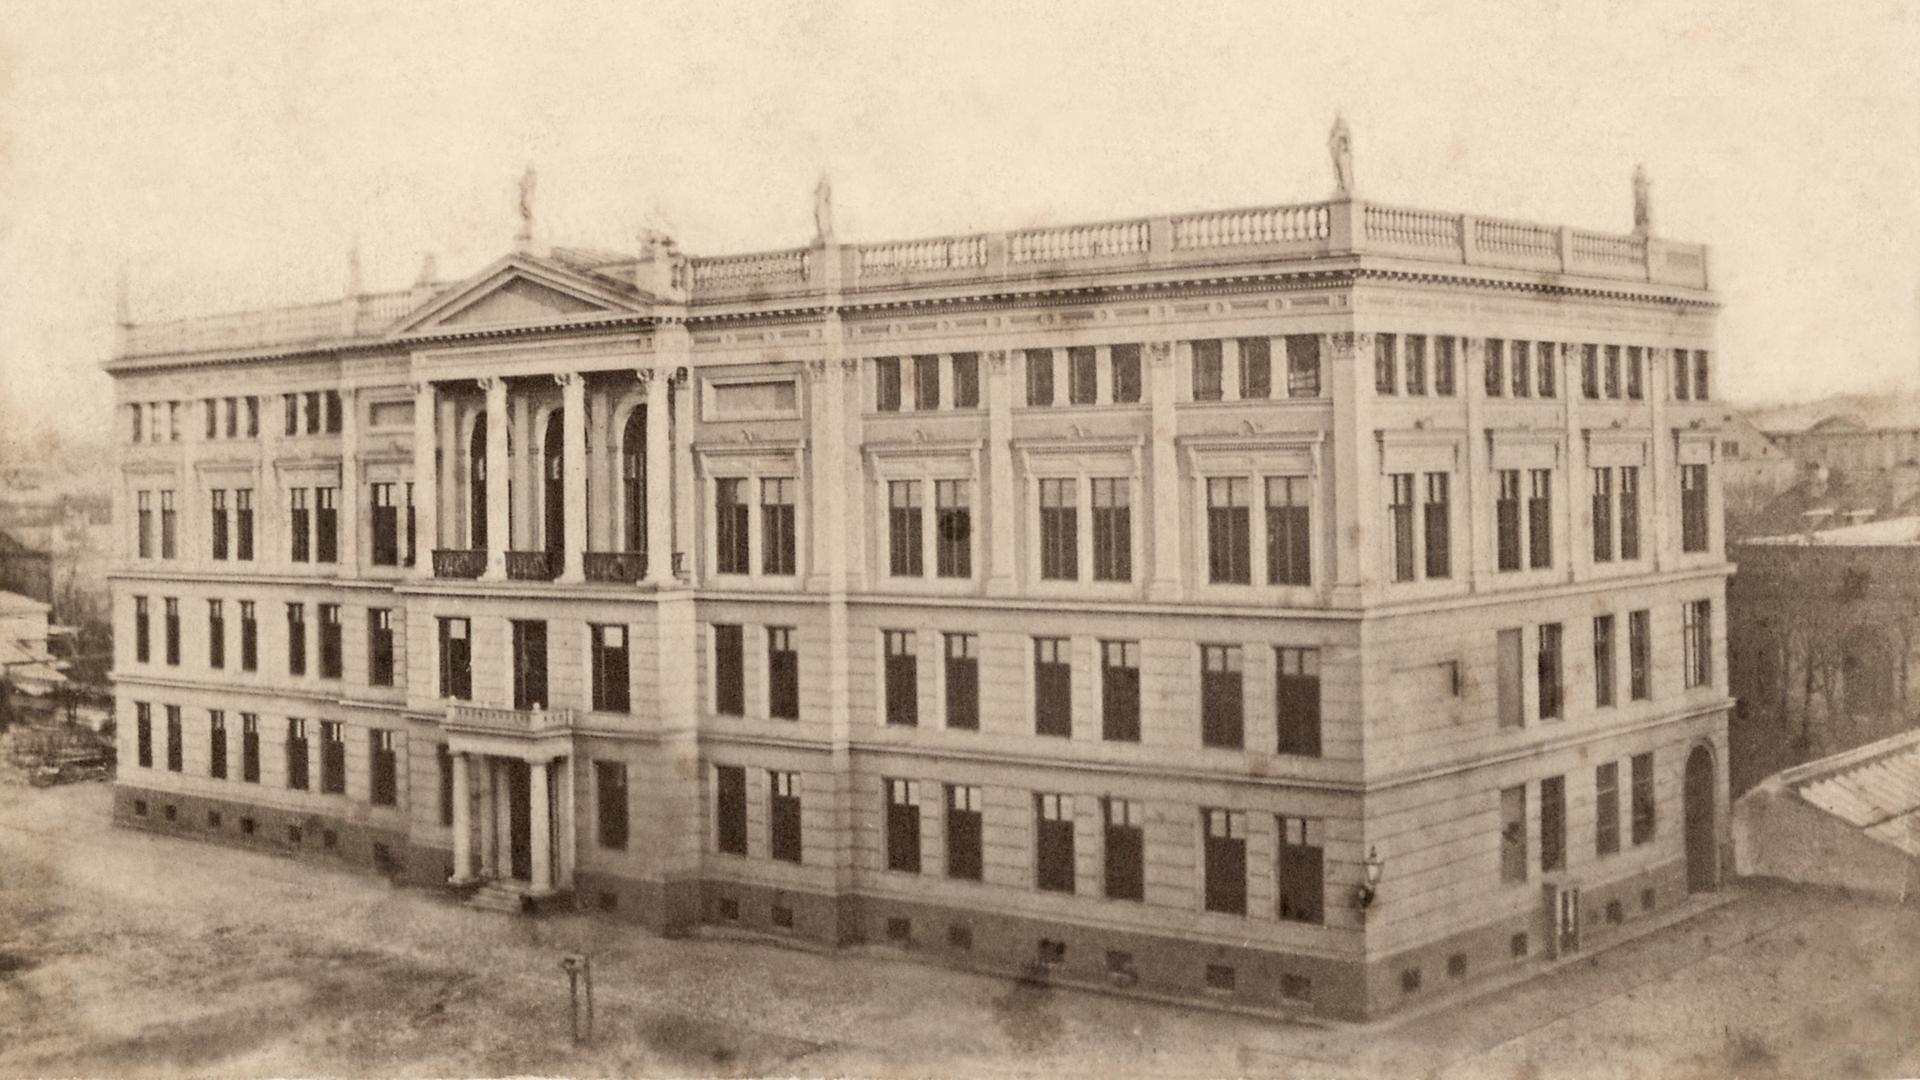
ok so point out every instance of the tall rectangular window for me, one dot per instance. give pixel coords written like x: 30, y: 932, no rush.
x: 1256, y: 368
x: 1693, y: 508
x: 1080, y: 375
x: 1053, y: 843
x: 730, y: 809
x: 176, y: 752
x: 1400, y: 524
x: 730, y: 538
x: 1553, y: 824
x: 1603, y: 677
x: 217, y: 527
x: 1059, y: 530
x: 1222, y: 696
x: 783, y: 815
x: 386, y: 526
x: 953, y: 529
x: 1549, y: 671
x: 1302, y: 870
x: 298, y: 530
x: 1120, y: 691
x: 1630, y: 512
x: 1606, y: 808
x: 902, y: 677
x: 326, y: 525
x: 383, y: 771
x: 903, y: 529
x: 729, y: 669
x: 1613, y: 371
x: 216, y: 634
x: 249, y: 638
x: 333, y: 412
x: 926, y: 382
x: 1507, y: 519
x: 1640, y: 655
x: 143, y: 524
x: 776, y: 525
x: 1697, y: 641
x: 1125, y: 843
x: 1643, y: 805
x: 173, y: 630
x: 1053, y: 687
x: 142, y: 650
x: 1540, y: 518
x: 1297, y: 700
x: 1545, y: 369
x: 1682, y: 377
x: 612, y: 674
x: 783, y: 674
x: 143, y: 734
x: 217, y: 744
x: 1229, y: 543
x: 1496, y: 370
x: 1289, y: 531
x: 296, y: 754
x: 1513, y: 834
x: 610, y: 795
x: 966, y: 380
x: 249, y: 748
x: 1437, y: 519
x: 1039, y: 376
x: 886, y: 391
x: 1303, y: 365
x: 333, y: 758
x: 1699, y: 374
x: 168, y: 530
x: 1225, y: 858
x: 963, y: 681
x: 243, y: 524
x: 1125, y: 363
x: 1603, y: 515
x: 292, y: 410
x: 1416, y: 365
x: 1507, y: 654
x: 903, y: 825
x: 965, y: 832
x: 1206, y: 370
x: 1112, y: 529
x: 1445, y: 361
x: 456, y: 659
x: 1636, y: 388
x: 1523, y: 369
x: 1385, y: 365
x: 379, y: 646
x: 330, y: 659
x: 1590, y: 371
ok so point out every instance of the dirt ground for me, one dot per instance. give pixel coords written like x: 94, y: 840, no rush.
x: 123, y: 953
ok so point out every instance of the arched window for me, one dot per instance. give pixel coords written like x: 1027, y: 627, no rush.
x: 633, y: 478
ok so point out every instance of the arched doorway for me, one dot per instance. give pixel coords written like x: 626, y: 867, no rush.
x: 1703, y: 856
x: 556, y: 486
x: 633, y: 479
x: 477, y: 485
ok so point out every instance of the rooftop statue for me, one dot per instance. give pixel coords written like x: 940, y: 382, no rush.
x: 1642, y: 202
x: 1340, y: 146
x: 823, y: 211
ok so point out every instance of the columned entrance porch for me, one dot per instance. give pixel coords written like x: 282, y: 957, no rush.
x: 512, y: 798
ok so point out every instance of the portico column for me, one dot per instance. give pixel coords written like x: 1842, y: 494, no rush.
x: 573, y: 480
x: 497, y: 466
x: 426, y: 477
x: 541, y: 825
x: 462, y: 824
x: 659, y: 478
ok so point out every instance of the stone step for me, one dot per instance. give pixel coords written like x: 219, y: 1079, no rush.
x: 497, y: 898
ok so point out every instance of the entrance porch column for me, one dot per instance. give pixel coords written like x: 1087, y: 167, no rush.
x: 462, y: 824
x: 540, y: 830
x: 489, y: 817
x: 502, y: 820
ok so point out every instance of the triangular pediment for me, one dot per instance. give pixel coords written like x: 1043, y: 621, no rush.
x: 523, y: 291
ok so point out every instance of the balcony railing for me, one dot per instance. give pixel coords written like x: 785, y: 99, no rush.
x: 497, y: 721
x: 458, y: 563
x: 533, y: 565
x: 620, y: 567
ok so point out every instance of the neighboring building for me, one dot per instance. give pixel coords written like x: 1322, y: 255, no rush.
x: 1851, y: 820
x: 1844, y: 443
x: 1821, y: 634
x: 1115, y: 598
x: 55, y: 545
x: 31, y: 674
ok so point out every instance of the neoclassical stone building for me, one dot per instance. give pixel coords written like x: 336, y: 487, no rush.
x: 1310, y: 607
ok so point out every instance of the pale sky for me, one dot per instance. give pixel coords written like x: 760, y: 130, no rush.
x: 228, y: 155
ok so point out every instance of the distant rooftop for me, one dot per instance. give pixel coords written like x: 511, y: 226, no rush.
x: 1338, y: 227
x: 1893, y: 532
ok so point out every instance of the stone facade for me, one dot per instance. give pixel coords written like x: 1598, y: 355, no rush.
x: 1209, y: 527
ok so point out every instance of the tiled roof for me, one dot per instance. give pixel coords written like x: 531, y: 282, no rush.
x: 1876, y: 789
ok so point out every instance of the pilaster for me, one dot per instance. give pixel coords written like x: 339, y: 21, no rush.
x: 1166, y: 508
x: 348, y: 504
x: 1003, y: 491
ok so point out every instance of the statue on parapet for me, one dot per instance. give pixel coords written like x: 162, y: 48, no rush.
x: 1340, y: 147
x: 1642, y: 202
x: 527, y: 181
x: 823, y: 211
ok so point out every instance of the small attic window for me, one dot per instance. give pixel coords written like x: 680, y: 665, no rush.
x: 753, y: 400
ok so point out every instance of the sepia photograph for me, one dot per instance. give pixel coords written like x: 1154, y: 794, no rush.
x: 853, y: 538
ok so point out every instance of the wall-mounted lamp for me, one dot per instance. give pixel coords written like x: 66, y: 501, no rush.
x: 1364, y: 893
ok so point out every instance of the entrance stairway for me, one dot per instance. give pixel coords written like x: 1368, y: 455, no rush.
x: 494, y: 896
